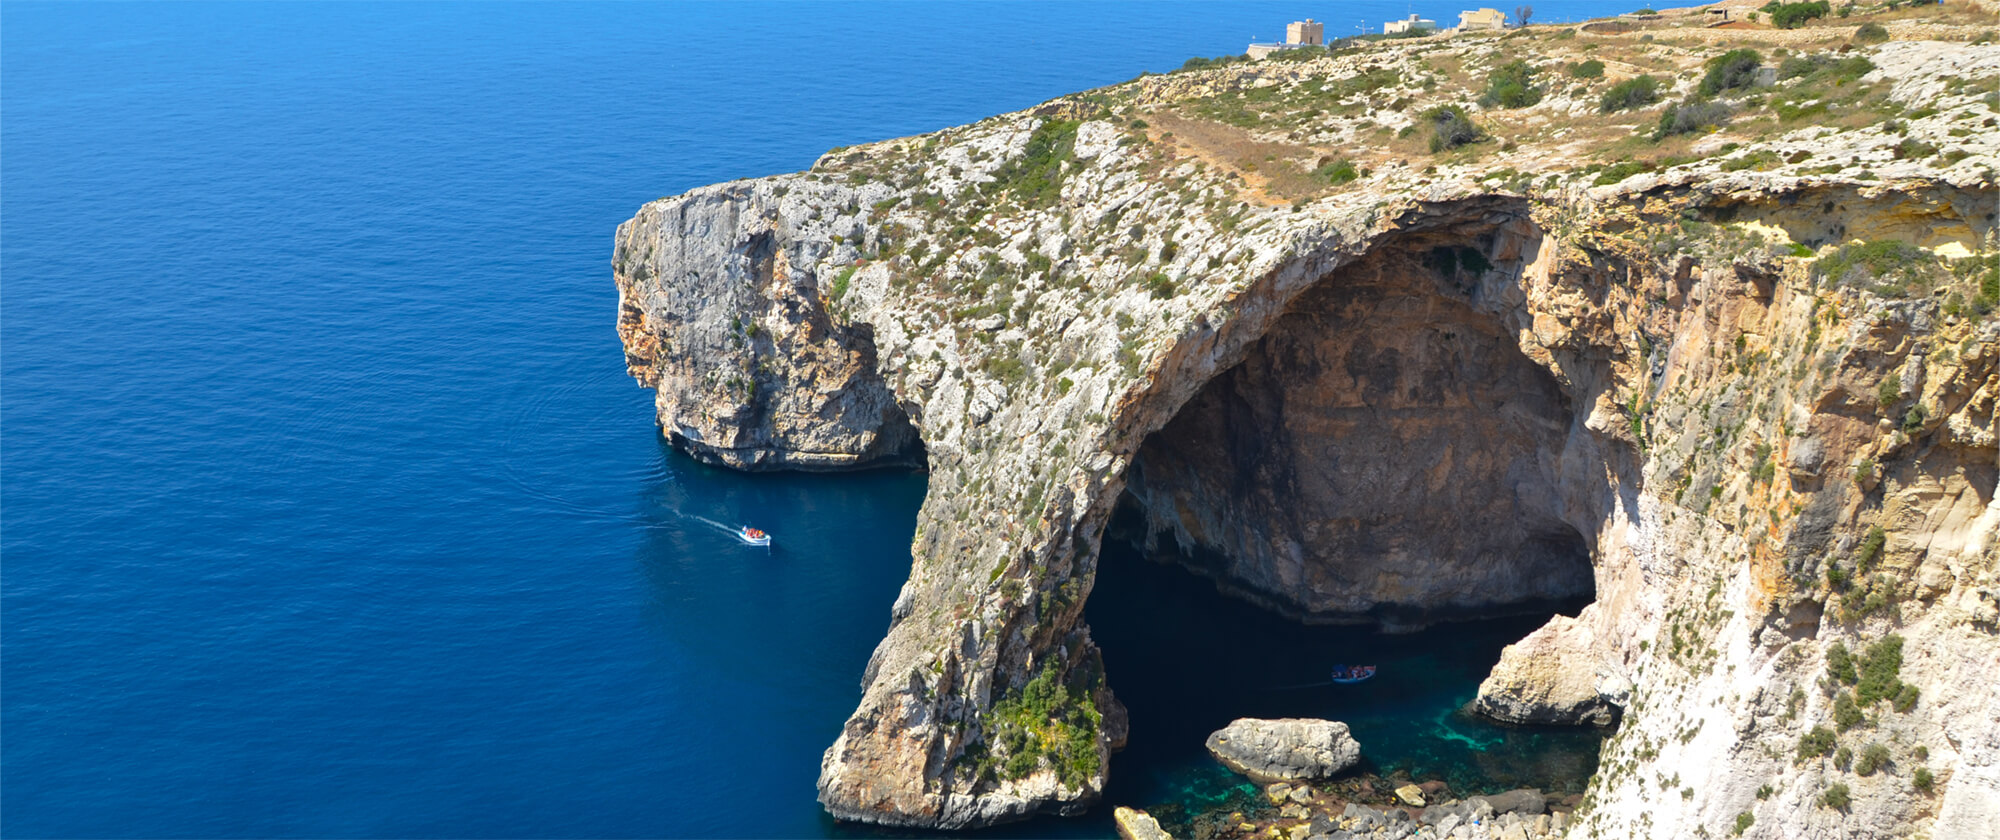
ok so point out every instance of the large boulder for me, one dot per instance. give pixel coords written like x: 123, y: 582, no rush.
x: 1134, y: 824
x: 1285, y: 750
x: 1550, y: 677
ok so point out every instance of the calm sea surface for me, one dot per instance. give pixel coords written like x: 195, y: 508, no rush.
x: 326, y: 508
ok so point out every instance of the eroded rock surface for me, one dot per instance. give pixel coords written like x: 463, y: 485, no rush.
x: 1552, y: 677
x: 1646, y: 388
x: 1385, y: 453
x: 1285, y: 750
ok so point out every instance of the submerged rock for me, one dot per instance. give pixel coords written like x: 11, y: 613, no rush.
x: 1292, y: 748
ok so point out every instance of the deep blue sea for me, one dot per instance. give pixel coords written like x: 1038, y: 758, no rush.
x: 326, y: 507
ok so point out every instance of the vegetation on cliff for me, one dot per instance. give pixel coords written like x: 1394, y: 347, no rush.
x: 1752, y: 263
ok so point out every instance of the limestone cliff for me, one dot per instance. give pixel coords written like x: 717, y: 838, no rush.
x: 1357, y: 379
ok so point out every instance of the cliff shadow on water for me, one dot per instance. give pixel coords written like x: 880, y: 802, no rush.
x: 1188, y: 660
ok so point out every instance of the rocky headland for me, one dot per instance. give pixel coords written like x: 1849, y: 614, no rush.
x: 1698, y: 326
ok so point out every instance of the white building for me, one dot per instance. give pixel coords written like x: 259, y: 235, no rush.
x: 1410, y: 24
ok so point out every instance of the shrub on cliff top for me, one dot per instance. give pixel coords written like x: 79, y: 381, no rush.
x: 1512, y: 85
x: 1794, y: 15
x: 1036, y: 177
x: 1451, y: 128
x: 1690, y: 117
x: 1636, y: 92
x: 1592, y: 69
x: 1870, y: 33
x: 1733, y: 70
x: 1835, y: 797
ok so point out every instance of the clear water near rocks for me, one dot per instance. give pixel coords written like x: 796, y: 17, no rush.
x: 1185, y: 661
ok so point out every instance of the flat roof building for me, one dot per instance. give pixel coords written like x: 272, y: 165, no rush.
x: 1410, y: 24
x: 1482, y: 19
x: 1305, y: 33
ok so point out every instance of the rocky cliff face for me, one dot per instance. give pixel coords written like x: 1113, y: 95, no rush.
x: 1461, y: 382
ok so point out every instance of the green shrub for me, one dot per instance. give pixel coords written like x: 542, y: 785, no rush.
x: 1620, y: 171
x: 1905, y: 699
x: 1733, y: 70
x: 1870, y: 33
x: 1451, y: 128
x: 1864, y: 470
x: 1036, y: 177
x: 1880, y: 667
x: 1592, y: 69
x: 1794, y: 15
x: 1816, y: 743
x: 1846, y: 715
x: 1922, y: 780
x: 1338, y: 172
x: 1835, y: 797
x: 1160, y: 285
x: 1842, y: 758
x: 1690, y: 117
x: 1825, y: 67
x: 1889, y: 391
x: 1636, y: 92
x: 1864, y: 559
x: 1512, y: 85
x: 1198, y: 62
x: 1913, y: 422
x: 1047, y: 721
x: 1894, y: 267
x: 1873, y: 757
x: 840, y: 283
x: 1743, y: 823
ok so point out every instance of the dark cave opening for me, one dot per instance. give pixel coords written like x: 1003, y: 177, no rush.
x: 1380, y: 480
x: 1385, y: 453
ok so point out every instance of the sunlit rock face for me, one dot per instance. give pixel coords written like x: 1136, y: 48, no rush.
x: 1386, y: 453
x: 1076, y: 308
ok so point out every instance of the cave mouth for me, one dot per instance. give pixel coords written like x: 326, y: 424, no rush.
x: 1381, y: 480
x: 1385, y: 454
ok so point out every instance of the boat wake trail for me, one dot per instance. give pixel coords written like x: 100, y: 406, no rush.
x: 728, y: 530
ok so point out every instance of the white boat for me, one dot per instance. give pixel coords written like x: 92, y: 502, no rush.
x: 752, y: 536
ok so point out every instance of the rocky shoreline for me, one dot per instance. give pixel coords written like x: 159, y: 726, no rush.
x: 1307, y: 792
x: 1364, y: 806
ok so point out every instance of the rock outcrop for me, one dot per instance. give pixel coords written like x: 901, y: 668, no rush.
x: 1741, y: 396
x: 1134, y: 824
x: 1552, y: 677
x: 1284, y: 750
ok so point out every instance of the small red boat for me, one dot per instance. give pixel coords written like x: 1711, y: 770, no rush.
x: 1352, y: 673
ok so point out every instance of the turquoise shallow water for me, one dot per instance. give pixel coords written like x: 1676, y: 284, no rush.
x: 1186, y: 661
x: 326, y: 507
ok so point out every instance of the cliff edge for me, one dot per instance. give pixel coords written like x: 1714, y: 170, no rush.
x: 1720, y: 355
